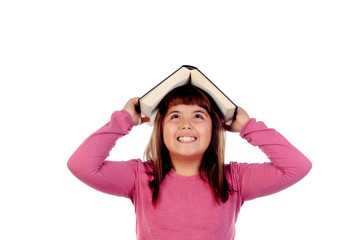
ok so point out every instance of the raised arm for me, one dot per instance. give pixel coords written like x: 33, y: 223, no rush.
x: 287, y: 164
x: 88, y: 163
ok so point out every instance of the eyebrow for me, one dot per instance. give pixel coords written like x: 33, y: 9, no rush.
x: 173, y: 112
x: 199, y: 111
x: 196, y: 111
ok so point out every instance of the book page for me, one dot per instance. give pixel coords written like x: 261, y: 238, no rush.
x: 149, y: 102
x: 225, y: 105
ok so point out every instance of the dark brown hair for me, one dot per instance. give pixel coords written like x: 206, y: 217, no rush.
x: 212, y: 164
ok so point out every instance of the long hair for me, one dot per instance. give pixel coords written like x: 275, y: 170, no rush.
x: 212, y: 164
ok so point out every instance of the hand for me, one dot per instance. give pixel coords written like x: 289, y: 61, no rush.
x: 130, y: 108
x: 241, y: 118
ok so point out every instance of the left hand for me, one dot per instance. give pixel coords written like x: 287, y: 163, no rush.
x: 241, y: 118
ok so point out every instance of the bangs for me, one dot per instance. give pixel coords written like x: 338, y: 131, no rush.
x: 187, y: 95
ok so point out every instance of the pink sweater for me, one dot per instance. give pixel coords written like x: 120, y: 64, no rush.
x: 186, y: 208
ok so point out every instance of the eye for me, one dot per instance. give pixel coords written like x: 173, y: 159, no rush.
x: 198, y: 116
x: 174, y: 116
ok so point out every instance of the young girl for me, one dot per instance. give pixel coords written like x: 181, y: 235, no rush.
x: 184, y: 190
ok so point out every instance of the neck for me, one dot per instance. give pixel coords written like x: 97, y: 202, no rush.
x: 186, y: 166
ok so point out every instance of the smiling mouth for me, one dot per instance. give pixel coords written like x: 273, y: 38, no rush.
x: 186, y: 139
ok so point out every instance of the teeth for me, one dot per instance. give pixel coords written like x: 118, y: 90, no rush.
x: 186, y: 139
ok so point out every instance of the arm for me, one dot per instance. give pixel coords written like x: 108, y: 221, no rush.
x: 287, y: 164
x: 88, y: 163
x: 286, y: 167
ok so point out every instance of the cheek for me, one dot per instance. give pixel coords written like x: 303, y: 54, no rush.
x: 206, y: 133
x: 168, y: 133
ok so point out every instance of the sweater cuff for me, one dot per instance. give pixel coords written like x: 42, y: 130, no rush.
x: 123, y: 119
x: 244, y: 128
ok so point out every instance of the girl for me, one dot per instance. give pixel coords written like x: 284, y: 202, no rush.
x: 184, y: 190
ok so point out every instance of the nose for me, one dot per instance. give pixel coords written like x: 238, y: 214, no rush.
x: 186, y: 124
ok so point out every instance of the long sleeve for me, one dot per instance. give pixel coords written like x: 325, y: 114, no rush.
x: 88, y: 163
x: 286, y: 167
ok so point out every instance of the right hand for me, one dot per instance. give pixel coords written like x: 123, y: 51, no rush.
x: 241, y: 119
x: 130, y: 108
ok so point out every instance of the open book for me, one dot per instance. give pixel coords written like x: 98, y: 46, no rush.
x: 186, y: 75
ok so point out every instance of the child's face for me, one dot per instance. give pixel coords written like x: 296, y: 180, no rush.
x: 187, y: 131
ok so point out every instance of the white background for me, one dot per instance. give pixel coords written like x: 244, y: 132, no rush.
x: 65, y: 66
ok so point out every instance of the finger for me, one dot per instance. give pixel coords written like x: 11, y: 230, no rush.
x: 135, y: 100
x: 135, y: 103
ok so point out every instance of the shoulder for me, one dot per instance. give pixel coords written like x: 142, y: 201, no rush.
x: 144, y: 169
x: 234, y: 167
x: 140, y: 165
x: 234, y: 172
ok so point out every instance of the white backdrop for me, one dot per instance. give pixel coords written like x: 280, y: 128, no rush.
x: 65, y: 66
